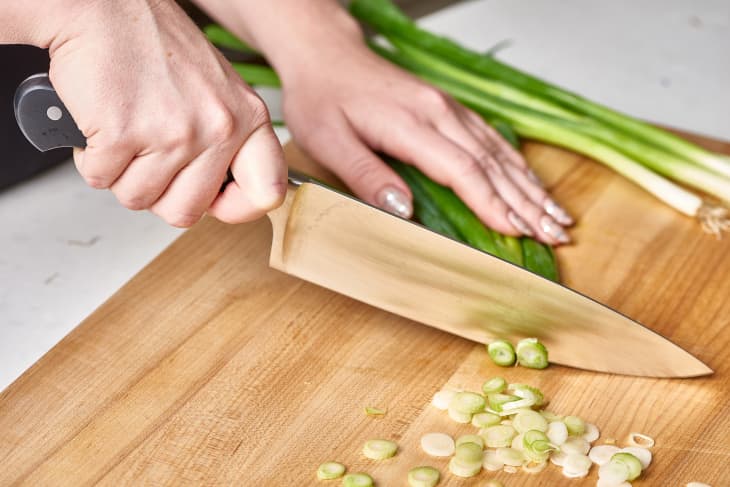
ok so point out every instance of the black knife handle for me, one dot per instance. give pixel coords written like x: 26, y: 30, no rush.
x: 42, y: 116
x: 47, y: 124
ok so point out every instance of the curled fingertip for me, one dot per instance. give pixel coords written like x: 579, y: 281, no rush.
x: 553, y: 229
x: 558, y: 212
x: 395, y: 201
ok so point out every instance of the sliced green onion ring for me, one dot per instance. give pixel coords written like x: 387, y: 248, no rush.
x: 502, y: 353
x: 330, y: 470
x: 469, y: 453
x: 437, y: 444
x: 511, y: 457
x: 532, y: 354
x: 468, y: 402
x: 470, y: 439
x: 442, y: 399
x: 633, y: 465
x: 464, y: 469
x: 482, y: 420
x: 576, y: 426
x: 529, y: 420
x: 379, y: 449
x: 459, y: 416
x: 576, y: 466
x: 643, y: 454
x: 528, y: 392
x: 591, y: 432
x: 491, y: 462
x: 495, y: 385
x: 601, y: 454
x: 638, y: 439
x: 357, y: 480
x: 497, y: 401
x: 557, y: 432
x: 575, y: 444
x: 423, y: 477
x: 498, y: 435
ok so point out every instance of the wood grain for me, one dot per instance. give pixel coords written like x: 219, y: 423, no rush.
x: 209, y: 368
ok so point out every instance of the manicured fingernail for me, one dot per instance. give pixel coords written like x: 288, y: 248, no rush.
x: 552, y: 228
x: 519, y: 223
x: 395, y: 201
x: 533, y: 177
x: 556, y: 211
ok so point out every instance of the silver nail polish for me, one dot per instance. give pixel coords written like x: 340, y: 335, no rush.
x: 395, y: 201
x: 519, y: 223
x: 533, y: 177
x: 557, y: 212
x: 552, y: 228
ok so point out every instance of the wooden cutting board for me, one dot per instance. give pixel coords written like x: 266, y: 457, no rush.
x: 209, y: 368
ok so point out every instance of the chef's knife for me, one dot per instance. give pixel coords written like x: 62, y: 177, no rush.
x: 341, y: 243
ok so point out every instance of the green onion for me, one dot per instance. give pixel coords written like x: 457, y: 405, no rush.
x: 330, y: 470
x: 469, y: 452
x: 601, y: 454
x: 437, y: 444
x: 379, y: 449
x: 497, y: 402
x: 575, y: 444
x: 459, y: 416
x: 536, y: 445
x: 442, y: 399
x: 491, y: 462
x: 529, y: 420
x: 423, y: 477
x: 495, y: 385
x: 502, y: 353
x: 633, y: 465
x: 638, y: 439
x: 387, y: 19
x: 222, y: 38
x: 482, y: 420
x: 510, y: 456
x: 576, y: 466
x: 494, y: 483
x: 468, y: 402
x: 476, y: 439
x: 528, y: 392
x: 357, y: 480
x: 464, y: 469
x: 644, y: 455
x: 557, y: 432
x: 531, y: 353
x: 576, y: 426
x: 498, y: 435
x: 372, y: 411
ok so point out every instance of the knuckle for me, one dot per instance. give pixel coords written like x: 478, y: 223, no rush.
x: 437, y: 99
x: 467, y: 167
x: 360, y: 167
x: 223, y: 123
x: 182, y: 219
x: 133, y: 201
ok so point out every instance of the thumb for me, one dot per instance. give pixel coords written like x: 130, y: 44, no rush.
x: 341, y: 151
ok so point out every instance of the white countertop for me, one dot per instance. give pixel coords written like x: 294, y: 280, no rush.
x: 66, y: 248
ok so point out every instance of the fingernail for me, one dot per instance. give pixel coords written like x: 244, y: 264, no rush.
x: 533, y: 177
x: 395, y: 201
x: 556, y: 211
x: 519, y: 223
x: 552, y: 228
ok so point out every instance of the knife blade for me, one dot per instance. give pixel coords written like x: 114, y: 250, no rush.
x: 336, y: 241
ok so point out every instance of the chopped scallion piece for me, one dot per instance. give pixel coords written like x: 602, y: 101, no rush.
x: 442, y: 399
x: 482, y: 420
x: 494, y: 483
x: 576, y: 426
x: 371, y: 411
x: 437, y: 444
x: 330, y: 470
x: 576, y: 466
x: 601, y: 454
x: 423, y: 477
x: 638, y: 439
x: 379, y: 449
x: 532, y: 354
x: 643, y: 454
x: 458, y: 416
x: 575, y: 444
x: 633, y: 465
x: 534, y: 467
x: 464, y: 469
x: 357, y: 480
x: 502, y: 353
x: 498, y: 436
x: 528, y: 392
x: 591, y: 432
x: 468, y: 402
x: 536, y: 445
x: 529, y: 420
x: 495, y: 385
x: 469, y: 452
x: 497, y: 401
x: 511, y: 456
x: 557, y: 432
x: 470, y: 439
x: 613, y: 474
x: 491, y: 462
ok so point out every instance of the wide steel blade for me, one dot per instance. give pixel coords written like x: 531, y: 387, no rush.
x: 342, y: 244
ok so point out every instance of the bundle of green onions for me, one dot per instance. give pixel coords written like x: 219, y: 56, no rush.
x: 435, y: 206
x: 542, y: 111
